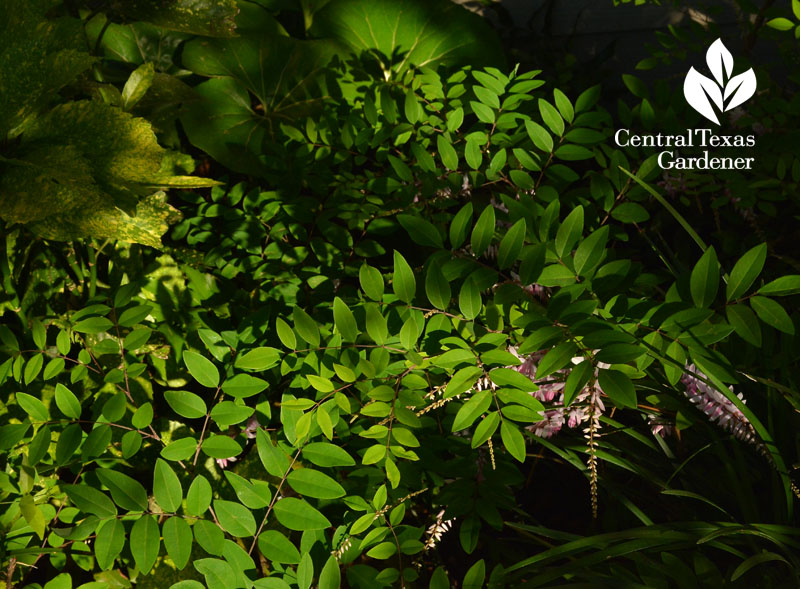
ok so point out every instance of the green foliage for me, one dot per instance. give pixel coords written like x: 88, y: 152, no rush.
x: 374, y: 361
x: 82, y: 167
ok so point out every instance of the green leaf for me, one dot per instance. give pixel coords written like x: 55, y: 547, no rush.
x: 630, y: 212
x: 33, y: 515
x: 282, y: 73
x: 90, y: 500
x: 780, y: 24
x: 127, y: 492
x: 39, y: 445
x: 704, y: 280
x: 483, y: 232
x: 297, y: 514
x: 209, y: 536
x: 745, y: 271
x: 344, y: 320
x: 218, y: 573
x: 447, y: 153
x: 285, y: 333
x: 401, y: 169
x: 590, y: 251
x: 674, y: 371
x: 145, y: 542
x: 218, y: 446
x: 305, y: 571
x: 455, y: 118
x: 324, y: 454
x: 469, y: 299
x: 618, y: 387
x: 273, y: 459
x: 382, y: 551
x: 32, y: 368
x: 411, y: 107
x: 513, y: 440
x: 376, y: 324
x: 374, y: 454
x: 198, y: 498
x: 439, y: 579
x: 771, y: 313
x: 11, y: 434
x: 371, y: 282
x: 437, y: 288
x: 473, y: 155
x: 555, y: 359
x: 330, y: 577
x: 67, y: 402
x: 314, y: 483
x: 403, y: 282
x: 138, y: 84
x: 228, y: 413
x: 577, y: 379
x: 201, y: 368
x: 511, y: 245
x: 460, y: 225
x: 235, y: 518
x: 533, y: 257
x: 569, y: 232
x: 180, y: 449
x: 255, y: 494
x: 114, y: 409
x: 134, y: 315
x: 114, y: 177
x: 564, y: 105
x: 506, y: 377
x: 320, y: 383
x: 242, y: 386
x: 484, y: 113
x: 143, y: 416
x: 405, y: 33
x: 745, y: 323
x: 306, y: 327
x: 258, y: 359
x: 620, y: 353
x: 539, y: 135
x: 488, y: 97
x: 108, y: 543
x: 166, y: 487
x: 471, y: 410
x: 177, y: 540
x: 421, y: 231
x: 186, y: 404
x: 131, y: 443
x: 785, y: 285
x: 33, y: 407
x: 476, y: 574
x: 485, y: 428
x: 278, y: 548
x: 551, y: 117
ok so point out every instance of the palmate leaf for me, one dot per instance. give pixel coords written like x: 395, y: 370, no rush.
x: 82, y: 169
x: 284, y: 75
x: 409, y: 33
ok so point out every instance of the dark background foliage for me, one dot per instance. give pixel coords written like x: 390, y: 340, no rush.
x: 364, y: 294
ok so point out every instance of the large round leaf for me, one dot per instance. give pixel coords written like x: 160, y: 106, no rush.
x: 265, y: 78
x: 409, y: 32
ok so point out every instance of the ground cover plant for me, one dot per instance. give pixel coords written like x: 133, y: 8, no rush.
x: 350, y: 294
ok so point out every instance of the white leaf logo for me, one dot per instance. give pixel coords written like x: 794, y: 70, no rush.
x: 704, y: 94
